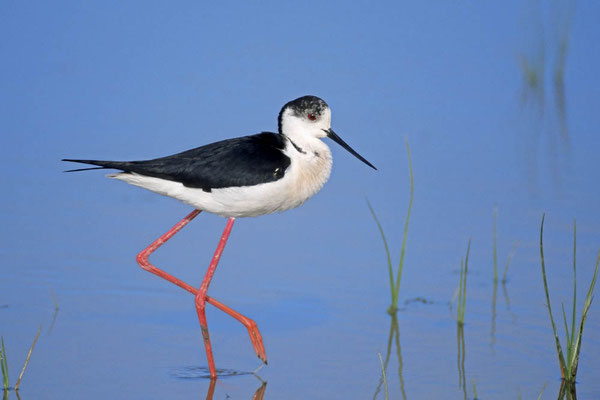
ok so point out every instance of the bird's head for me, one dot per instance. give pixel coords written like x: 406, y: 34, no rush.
x: 305, y: 116
x: 309, y: 117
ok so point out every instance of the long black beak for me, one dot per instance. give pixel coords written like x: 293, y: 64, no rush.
x: 331, y: 134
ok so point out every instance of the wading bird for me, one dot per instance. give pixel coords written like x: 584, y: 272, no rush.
x: 241, y: 177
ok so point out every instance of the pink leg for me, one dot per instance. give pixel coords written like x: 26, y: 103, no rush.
x: 201, y: 295
x: 142, y: 259
x: 253, y: 331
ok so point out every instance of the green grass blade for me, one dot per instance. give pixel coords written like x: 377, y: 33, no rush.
x: 561, y: 358
x: 570, y: 343
x: 509, y: 259
x: 455, y: 294
x: 464, y: 297
x: 588, y: 301
x: 387, y: 250
x: 3, y: 364
x: 28, y: 357
x: 495, y: 245
x: 460, y: 291
x: 542, y: 391
x: 569, y: 348
x: 410, y: 202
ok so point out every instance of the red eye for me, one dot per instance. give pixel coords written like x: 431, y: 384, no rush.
x: 312, y: 117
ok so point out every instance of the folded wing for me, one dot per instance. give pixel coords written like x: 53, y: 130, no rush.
x: 244, y: 161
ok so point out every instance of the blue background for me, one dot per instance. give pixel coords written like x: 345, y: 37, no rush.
x: 138, y: 80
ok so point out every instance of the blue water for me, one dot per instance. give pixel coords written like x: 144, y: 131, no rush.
x: 138, y: 81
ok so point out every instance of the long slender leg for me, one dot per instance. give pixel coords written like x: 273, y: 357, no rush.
x: 253, y: 331
x: 142, y: 259
x: 201, y: 295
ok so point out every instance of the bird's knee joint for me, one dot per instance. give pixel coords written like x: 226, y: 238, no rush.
x: 142, y: 260
x: 200, y: 301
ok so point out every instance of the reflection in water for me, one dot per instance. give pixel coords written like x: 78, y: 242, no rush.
x: 474, y: 382
x: 56, y: 308
x: 493, y: 331
x: 394, y: 337
x: 507, y: 300
x: 211, y: 389
x: 260, y: 392
x: 53, y: 321
x: 258, y: 395
x: 504, y: 280
x: 460, y: 360
x: 5, y: 394
x: 203, y: 373
x: 567, y: 391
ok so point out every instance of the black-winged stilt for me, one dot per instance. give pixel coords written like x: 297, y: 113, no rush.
x: 242, y: 177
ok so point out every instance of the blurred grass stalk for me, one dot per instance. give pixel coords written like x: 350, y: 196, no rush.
x: 56, y: 307
x: 510, y: 255
x: 495, y: 246
x: 542, y: 391
x: 568, y: 366
x: 508, y: 260
x: 462, y: 287
x: 3, y: 365
x: 395, y: 287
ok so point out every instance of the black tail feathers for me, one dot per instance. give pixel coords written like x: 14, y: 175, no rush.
x: 100, y: 164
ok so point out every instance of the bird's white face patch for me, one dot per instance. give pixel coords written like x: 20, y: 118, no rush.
x: 294, y: 124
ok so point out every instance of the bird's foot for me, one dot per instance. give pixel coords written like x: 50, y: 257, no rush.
x: 257, y: 341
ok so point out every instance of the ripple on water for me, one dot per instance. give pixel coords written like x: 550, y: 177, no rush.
x: 192, y: 372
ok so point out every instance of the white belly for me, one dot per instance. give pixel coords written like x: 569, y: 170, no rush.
x: 305, y: 176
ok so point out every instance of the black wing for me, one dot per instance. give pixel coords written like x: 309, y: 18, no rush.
x: 242, y: 161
